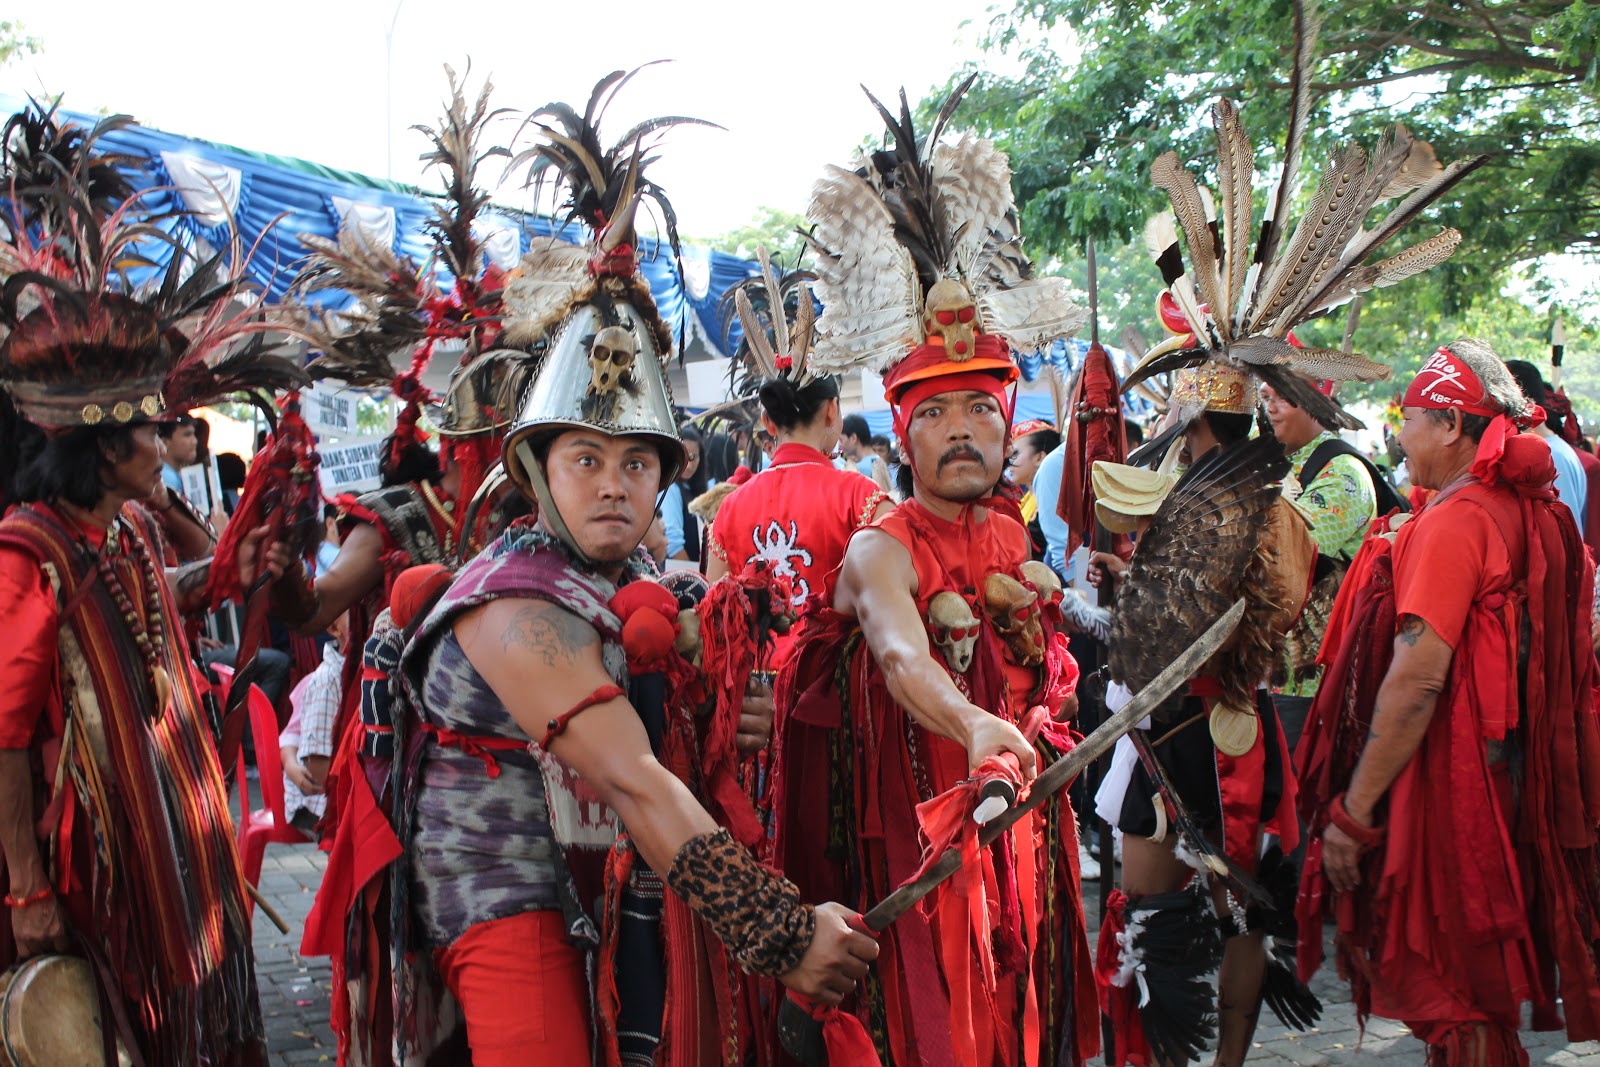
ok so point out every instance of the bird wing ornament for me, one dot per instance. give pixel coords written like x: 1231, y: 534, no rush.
x: 1205, y: 548
x: 1242, y: 298
x: 919, y: 244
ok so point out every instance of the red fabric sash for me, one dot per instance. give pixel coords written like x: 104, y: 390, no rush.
x: 1119, y: 1004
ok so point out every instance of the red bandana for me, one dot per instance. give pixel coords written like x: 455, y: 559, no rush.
x: 1445, y: 382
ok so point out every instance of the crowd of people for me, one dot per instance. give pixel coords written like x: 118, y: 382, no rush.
x: 641, y: 737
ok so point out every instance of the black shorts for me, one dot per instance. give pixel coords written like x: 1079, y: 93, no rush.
x: 1190, y: 761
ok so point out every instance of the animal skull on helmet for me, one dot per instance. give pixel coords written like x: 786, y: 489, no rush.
x: 955, y: 629
x: 951, y: 315
x: 611, y: 356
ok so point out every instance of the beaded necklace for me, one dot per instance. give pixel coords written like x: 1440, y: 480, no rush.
x: 444, y: 511
x: 149, y: 631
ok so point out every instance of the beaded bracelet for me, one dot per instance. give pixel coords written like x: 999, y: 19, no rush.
x: 33, y: 898
x: 1365, y: 836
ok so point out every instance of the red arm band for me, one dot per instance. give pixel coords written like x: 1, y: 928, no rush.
x: 558, y: 725
x: 1365, y: 836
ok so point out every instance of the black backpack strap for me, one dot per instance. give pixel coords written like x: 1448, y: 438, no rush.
x: 1387, y: 499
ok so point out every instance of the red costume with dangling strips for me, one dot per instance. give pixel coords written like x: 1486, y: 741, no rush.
x: 994, y: 968
x: 1482, y: 893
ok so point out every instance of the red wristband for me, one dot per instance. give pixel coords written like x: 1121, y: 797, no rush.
x: 33, y: 898
x: 558, y: 725
x: 1365, y: 836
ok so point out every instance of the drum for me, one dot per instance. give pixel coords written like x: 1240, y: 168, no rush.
x: 50, y: 1015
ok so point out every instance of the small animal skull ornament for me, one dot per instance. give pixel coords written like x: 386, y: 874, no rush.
x: 1043, y: 579
x: 955, y: 629
x: 611, y: 356
x: 952, y: 316
x: 1013, y: 608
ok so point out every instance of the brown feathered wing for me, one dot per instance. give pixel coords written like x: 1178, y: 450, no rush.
x: 1202, y: 552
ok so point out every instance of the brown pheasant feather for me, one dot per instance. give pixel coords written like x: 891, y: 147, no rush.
x: 1201, y: 553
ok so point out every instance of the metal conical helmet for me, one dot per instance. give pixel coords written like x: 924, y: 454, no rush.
x: 603, y: 371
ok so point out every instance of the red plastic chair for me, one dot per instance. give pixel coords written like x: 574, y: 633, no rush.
x: 268, y: 825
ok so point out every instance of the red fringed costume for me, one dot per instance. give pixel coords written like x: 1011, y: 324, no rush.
x: 854, y: 769
x: 1484, y: 892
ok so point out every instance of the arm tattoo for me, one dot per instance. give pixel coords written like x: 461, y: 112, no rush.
x: 1411, y: 628
x: 556, y: 636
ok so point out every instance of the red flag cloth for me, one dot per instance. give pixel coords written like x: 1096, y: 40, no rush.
x: 280, y: 489
x: 842, y: 1033
x: 1094, y: 431
x: 364, y: 845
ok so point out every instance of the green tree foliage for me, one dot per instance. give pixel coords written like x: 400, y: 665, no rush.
x: 1105, y: 86
x: 777, y: 230
x: 14, y: 42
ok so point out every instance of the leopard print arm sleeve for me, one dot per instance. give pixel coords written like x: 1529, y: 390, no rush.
x: 757, y: 915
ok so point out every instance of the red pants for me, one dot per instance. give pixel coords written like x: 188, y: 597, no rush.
x: 521, y: 988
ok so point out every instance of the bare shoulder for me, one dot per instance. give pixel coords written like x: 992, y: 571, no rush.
x: 873, y: 560
x: 537, y: 632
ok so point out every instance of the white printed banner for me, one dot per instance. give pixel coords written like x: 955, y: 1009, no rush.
x: 330, y: 410
x: 351, y: 467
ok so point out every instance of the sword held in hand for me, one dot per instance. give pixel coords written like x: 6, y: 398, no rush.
x: 799, y: 1033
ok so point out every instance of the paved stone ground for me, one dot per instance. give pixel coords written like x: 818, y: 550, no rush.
x: 295, y: 993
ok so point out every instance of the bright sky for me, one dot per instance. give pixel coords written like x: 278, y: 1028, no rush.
x: 307, y: 79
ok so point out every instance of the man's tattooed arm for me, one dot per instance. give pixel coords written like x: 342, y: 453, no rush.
x: 555, y: 636
x: 1411, y: 629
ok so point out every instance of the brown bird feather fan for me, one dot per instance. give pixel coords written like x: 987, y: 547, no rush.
x: 1298, y: 271
x: 1205, y: 549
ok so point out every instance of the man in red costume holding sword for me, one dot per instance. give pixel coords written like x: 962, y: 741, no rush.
x: 940, y: 667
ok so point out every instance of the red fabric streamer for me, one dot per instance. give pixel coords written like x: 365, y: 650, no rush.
x: 729, y: 655
x: 843, y: 1034
x: 1094, y: 432
x: 280, y: 490
x: 1119, y: 1004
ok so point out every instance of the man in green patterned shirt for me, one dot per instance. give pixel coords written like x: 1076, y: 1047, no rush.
x: 1340, y: 500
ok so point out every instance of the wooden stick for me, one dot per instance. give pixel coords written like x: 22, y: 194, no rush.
x: 267, y: 909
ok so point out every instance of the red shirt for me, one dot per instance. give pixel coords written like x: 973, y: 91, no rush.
x: 28, y: 670
x: 798, y: 514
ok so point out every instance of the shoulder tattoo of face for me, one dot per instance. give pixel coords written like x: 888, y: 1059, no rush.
x: 1411, y: 628
x: 556, y: 636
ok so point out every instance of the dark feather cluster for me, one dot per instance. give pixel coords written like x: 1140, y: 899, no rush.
x: 600, y: 182
x: 40, y: 153
x: 902, y: 173
x: 1203, y: 551
x: 457, y: 150
x: 1289, y: 998
x: 1178, y: 946
x: 774, y: 311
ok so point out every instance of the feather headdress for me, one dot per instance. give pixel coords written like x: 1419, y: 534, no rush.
x: 98, y: 330
x: 919, y: 258
x: 777, y: 320
x: 602, y: 188
x: 604, y: 368
x: 1241, y: 297
x: 403, y: 310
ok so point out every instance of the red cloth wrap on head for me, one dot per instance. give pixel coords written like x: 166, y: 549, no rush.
x: 1446, y: 382
x: 976, y: 381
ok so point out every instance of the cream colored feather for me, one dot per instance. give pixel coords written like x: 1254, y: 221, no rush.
x: 1032, y: 314
x: 865, y: 279
x: 550, y: 277
x: 1235, y: 176
x: 973, y: 182
x: 1190, y: 209
x: 1424, y: 255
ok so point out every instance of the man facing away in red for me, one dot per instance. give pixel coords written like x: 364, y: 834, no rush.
x: 1464, y: 846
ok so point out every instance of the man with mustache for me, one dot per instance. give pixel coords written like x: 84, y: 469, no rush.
x: 939, y: 665
x: 568, y: 888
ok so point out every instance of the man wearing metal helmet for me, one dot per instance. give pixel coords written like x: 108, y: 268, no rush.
x: 558, y: 871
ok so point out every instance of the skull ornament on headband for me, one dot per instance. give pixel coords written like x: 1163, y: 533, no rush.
x: 952, y: 316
